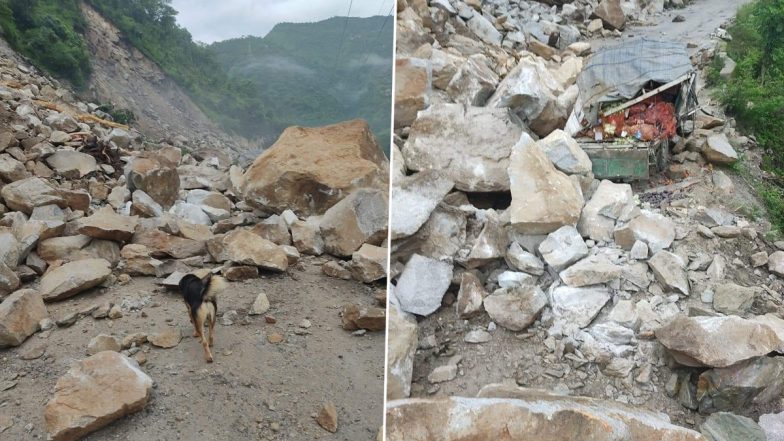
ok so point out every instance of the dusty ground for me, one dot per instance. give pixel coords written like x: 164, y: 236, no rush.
x: 254, y: 390
x: 525, y: 359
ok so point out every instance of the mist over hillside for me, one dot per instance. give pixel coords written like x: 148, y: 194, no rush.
x: 319, y: 73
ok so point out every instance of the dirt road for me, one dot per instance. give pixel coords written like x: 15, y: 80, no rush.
x: 255, y: 390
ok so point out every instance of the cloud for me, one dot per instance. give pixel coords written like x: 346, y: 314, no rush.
x: 209, y: 21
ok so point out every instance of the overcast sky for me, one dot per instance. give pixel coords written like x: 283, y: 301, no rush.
x: 209, y: 20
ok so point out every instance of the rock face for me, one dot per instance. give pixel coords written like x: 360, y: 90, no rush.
x: 473, y: 83
x: 470, y: 144
x: 359, y: 218
x: 308, y: 170
x: 578, y: 305
x: 543, y: 198
x: 414, y: 199
x: 20, y: 314
x: 422, y: 285
x: 106, y: 224
x: 95, y: 392
x: 502, y: 413
x: 515, y: 308
x: 716, y: 341
x: 73, y: 278
x: 403, y: 340
x: 156, y: 176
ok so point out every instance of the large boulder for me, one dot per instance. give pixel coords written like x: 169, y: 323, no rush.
x: 20, y: 314
x: 95, y: 392
x: 611, y: 13
x: 716, y: 341
x: 414, y: 198
x: 359, y: 218
x: 245, y: 248
x: 402, y: 345
x: 670, y: 271
x: 412, y: 86
x: 308, y: 170
x: 108, y: 225
x: 656, y: 230
x: 423, y: 284
x: 73, y: 277
x: 532, y: 92
x: 503, y: 413
x: 163, y: 245
x: 155, y: 175
x: 609, y: 203
x: 718, y: 150
x: 564, y: 152
x: 543, y: 198
x: 593, y: 270
x: 29, y: 193
x: 515, y: 308
x: 71, y: 163
x: 470, y: 144
x: 473, y: 83
x: 752, y: 382
x: 563, y: 247
x: 578, y: 305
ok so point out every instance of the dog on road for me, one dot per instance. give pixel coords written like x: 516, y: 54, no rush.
x: 200, y: 295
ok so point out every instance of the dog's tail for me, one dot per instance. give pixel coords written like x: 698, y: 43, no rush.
x: 214, y: 285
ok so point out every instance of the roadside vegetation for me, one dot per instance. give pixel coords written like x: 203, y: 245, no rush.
x: 49, y: 33
x: 754, y: 95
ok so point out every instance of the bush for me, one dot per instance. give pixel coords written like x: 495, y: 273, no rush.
x: 48, y: 32
x: 755, y: 94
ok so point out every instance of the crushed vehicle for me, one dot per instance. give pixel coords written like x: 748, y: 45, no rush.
x: 634, y: 100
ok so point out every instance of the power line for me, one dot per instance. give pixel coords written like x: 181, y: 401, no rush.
x: 343, y: 36
x: 378, y: 34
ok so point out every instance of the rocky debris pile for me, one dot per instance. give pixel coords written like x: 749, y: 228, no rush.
x: 71, y: 221
x: 504, y: 229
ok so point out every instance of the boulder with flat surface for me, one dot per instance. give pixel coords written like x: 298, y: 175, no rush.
x: 471, y: 145
x: 155, y: 175
x: 422, y: 285
x: 94, y: 393
x: 515, y: 308
x: 359, y: 218
x: 72, y: 278
x: 308, y: 170
x: 543, y: 198
x: 20, y: 314
x: 515, y: 413
x: 108, y: 225
x: 716, y: 341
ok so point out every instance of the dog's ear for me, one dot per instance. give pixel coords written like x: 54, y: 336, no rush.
x: 206, y: 279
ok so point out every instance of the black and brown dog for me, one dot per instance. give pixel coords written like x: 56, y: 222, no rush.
x: 200, y: 295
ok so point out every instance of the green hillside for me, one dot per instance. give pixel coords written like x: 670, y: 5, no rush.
x: 304, y: 73
x: 253, y: 87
